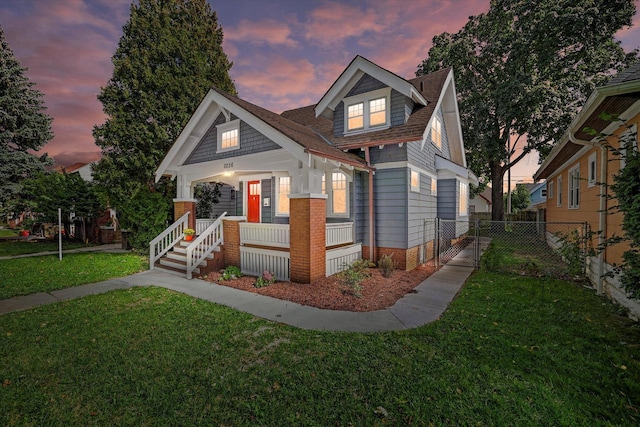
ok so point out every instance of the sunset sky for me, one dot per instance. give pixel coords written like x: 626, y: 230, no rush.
x: 286, y: 53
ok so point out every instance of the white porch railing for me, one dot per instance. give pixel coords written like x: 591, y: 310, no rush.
x: 275, y: 235
x: 339, y: 234
x: 208, y: 240
x: 203, y: 224
x: 167, y: 239
x: 340, y: 258
x: 255, y: 261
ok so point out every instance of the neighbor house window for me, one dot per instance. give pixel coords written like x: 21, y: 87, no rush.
x: 543, y: 192
x: 592, y: 170
x: 415, y: 181
x: 367, y: 110
x: 550, y: 189
x: 229, y: 136
x: 559, y: 185
x: 436, y: 132
x: 284, y: 189
x: 574, y: 187
x: 463, y: 199
x: 337, y: 194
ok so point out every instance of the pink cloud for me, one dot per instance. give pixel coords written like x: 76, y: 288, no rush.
x: 261, y: 32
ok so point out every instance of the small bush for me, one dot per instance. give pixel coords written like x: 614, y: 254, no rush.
x: 353, y: 275
x: 230, y: 273
x: 387, y: 265
x: 266, y: 279
x: 493, y: 258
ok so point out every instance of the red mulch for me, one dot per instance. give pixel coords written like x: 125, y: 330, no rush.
x: 378, y: 292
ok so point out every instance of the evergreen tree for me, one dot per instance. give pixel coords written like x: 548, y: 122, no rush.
x: 169, y: 56
x: 522, y: 71
x: 24, y: 127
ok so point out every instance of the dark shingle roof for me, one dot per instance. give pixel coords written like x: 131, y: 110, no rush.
x: 627, y: 75
x: 430, y: 87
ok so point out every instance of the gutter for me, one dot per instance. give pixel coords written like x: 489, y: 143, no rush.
x: 602, y: 218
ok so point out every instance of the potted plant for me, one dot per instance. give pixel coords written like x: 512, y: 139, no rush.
x: 188, y: 234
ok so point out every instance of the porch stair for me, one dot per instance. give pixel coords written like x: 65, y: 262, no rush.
x: 175, y: 261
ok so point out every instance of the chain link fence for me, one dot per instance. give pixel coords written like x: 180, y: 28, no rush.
x: 554, y: 249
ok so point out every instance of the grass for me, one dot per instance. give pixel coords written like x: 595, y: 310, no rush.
x: 22, y: 276
x: 510, y: 350
x: 8, y: 232
x: 10, y: 248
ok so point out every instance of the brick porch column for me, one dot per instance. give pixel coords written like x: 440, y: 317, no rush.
x: 231, y: 245
x: 182, y: 206
x: 307, y: 224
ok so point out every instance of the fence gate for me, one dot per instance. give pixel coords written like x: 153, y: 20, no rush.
x: 456, y: 243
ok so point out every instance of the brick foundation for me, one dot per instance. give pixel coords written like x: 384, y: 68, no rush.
x: 407, y: 259
x: 182, y: 207
x: 231, y: 245
x: 307, y: 222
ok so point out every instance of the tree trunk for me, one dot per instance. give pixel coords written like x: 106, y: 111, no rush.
x: 497, y: 204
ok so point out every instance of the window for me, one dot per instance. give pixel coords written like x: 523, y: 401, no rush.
x: 355, y: 114
x: 550, y: 189
x: 559, y: 185
x: 367, y: 110
x: 434, y: 187
x: 284, y: 189
x: 415, y: 181
x: 628, y: 139
x: 574, y: 187
x: 463, y: 199
x: 436, y: 132
x: 592, y: 170
x: 229, y: 136
x: 338, y: 194
x: 543, y: 192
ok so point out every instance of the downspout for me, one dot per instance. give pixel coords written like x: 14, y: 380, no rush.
x: 602, y: 218
x: 371, y: 213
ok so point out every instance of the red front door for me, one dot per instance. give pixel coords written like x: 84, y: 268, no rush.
x: 253, y: 199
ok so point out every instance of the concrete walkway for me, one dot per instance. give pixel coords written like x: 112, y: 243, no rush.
x: 418, y: 308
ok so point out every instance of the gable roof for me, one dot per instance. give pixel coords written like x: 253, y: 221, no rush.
x: 618, y: 96
x: 358, y: 67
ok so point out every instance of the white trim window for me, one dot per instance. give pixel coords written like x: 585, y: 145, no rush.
x: 283, y: 189
x: 592, y: 170
x: 434, y: 186
x: 366, y: 111
x: 228, y: 136
x: 550, y: 189
x: 463, y: 198
x: 574, y: 187
x: 559, y: 187
x: 414, y: 180
x: 436, y: 132
x: 338, y: 194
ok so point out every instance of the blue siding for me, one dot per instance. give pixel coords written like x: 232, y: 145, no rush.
x: 388, y: 153
x: 361, y: 206
x: 365, y: 84
x: 399, y: 105
x: 422, y: 207
x: 251, y: 141
x: 424, y: 158
x: 266, y: 191
x: 447, y: 198
x: 391, y: 210
x: 338, y: 120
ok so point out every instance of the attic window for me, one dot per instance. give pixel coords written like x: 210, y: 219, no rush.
x: 229, y: 136
x: 436, y: 132
x: 367, y: 111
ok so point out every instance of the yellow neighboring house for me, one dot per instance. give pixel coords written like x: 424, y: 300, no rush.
x: 579, y: 165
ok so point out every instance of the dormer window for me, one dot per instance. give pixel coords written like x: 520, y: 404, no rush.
x: 229, y: 136
x: 367, y: 111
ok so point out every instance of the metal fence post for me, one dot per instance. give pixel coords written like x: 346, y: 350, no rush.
x: 436, y: 242
x: 477, y: 243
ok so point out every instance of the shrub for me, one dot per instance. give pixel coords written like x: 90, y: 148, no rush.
x: 266, y: 279
x: 387, y: 265
x: 493, y: 258
x: 230, y: 273
x: 353, y: 275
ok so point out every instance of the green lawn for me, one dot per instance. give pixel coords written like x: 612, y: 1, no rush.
x: 8, y: 232
x: 22, y: 276
x: 8, y: 248
x: 510, y: 350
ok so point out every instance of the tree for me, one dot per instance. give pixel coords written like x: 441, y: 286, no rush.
x: 520, y: 198
x: 522, y: 71
x: 169, y: 56
x: 24, y: 127
x: 206, y: 194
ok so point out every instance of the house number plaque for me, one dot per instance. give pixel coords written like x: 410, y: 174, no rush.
x: 228, y: 165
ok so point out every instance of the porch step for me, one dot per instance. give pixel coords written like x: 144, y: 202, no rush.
x: 179, y: 265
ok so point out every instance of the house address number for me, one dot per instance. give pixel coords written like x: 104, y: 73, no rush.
x: 228, y: 165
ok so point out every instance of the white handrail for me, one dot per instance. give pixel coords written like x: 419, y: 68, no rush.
x: 167, y: 239
x: 204, y: 244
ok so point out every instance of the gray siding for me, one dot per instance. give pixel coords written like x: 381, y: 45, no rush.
x: 445, y: 152
x: 424, y: 158
x: 422, y: 207
x: 225, y: 202
x: 239, y: 199
x: 447, y: 198
x: 267, y: 191
x: 338, y: 120
x: 365, y: 84
x: 391, y: 210
x: 361, y: 206
x: 399, y: 108
x: 251, y: 141
x: 389, y: 153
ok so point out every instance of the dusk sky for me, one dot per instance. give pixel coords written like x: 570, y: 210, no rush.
x: 286, y: 53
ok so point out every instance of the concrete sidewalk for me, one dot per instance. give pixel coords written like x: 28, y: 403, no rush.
x: 418, y: 308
